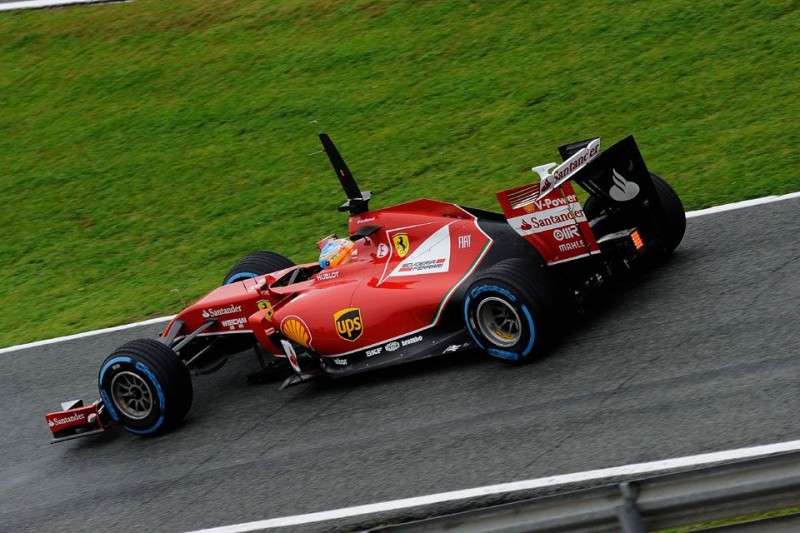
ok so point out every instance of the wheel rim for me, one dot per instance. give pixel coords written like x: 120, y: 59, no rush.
x: 132, y: 395
x: 499, y: 322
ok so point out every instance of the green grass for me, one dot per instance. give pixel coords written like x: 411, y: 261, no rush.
x: 145, y: 147
x: 747, y: 519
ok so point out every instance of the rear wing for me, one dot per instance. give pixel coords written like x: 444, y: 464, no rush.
x: 548, y: 213
x: 618, y: 177
x: 573, y: 162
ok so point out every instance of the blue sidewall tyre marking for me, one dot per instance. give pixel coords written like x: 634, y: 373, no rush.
x: 109, y: 405
x: 143, y: 368
x: 148, y: 430
x: 110, y: 363
x: 529, y: 347
x: 240, y: 276
x: 494, y: 288
x: 502, y: 354
x: 469, y: 325
x: 106, y: 400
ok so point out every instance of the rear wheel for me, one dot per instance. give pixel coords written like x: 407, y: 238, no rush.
x: 512, y: 310
x: 671, y: 227
x: 257, y: 264
x: 145, y: 387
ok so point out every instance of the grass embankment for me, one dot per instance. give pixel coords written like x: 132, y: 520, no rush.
x: 146, y: 146
x: 753, y: 519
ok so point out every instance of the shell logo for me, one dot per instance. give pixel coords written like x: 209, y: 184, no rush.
x: 296, y: 330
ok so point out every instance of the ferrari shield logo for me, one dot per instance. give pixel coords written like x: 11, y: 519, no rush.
x: 401, y: 244
x: 349, y: 324
x: 264, y: 304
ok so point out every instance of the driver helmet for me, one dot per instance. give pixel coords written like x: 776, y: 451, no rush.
x: 336, y: 252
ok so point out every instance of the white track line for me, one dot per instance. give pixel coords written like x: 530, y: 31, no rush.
x: 740, y: 205
x: 39, y: 4
x: 690, y: 214
x: 591, y: 475
x: 85, y: 334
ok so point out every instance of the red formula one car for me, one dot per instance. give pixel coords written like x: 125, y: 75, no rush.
x: 424, y: 278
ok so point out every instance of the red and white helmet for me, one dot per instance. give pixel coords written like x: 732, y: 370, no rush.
x: 336, y: 252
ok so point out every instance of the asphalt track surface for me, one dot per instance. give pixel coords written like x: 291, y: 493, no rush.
x: 698, y: 356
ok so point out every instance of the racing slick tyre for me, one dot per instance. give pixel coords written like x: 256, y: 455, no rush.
x: 672, y: 227
x: 512, y: 310
x: 257, y: 264
x: 145, y: 387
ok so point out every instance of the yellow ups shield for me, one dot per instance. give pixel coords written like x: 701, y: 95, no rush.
x: 349, y: 324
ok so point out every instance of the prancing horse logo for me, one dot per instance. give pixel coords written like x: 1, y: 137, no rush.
x: 401, y: 244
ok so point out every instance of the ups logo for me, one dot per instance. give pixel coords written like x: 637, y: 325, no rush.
x: 349, y: 324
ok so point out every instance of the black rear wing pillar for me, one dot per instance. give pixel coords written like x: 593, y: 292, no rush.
x: 357, y: 201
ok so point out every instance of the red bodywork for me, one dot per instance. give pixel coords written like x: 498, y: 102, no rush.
x: 398, y: 282
x: 556, y: 225
x: 75, y: 421
x: 403, y: 294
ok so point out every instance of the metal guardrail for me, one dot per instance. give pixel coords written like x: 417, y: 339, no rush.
x: 671, y: 500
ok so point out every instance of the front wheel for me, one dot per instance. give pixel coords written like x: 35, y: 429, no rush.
x: 145, y: 387
x: 513, y: 309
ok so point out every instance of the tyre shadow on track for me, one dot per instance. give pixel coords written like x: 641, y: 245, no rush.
x: 406, y: 371
x: 624, y: 294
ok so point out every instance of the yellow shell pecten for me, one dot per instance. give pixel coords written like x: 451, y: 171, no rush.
x: 296, y: 331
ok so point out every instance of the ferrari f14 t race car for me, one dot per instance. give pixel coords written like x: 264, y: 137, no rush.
x: 411, y: 281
